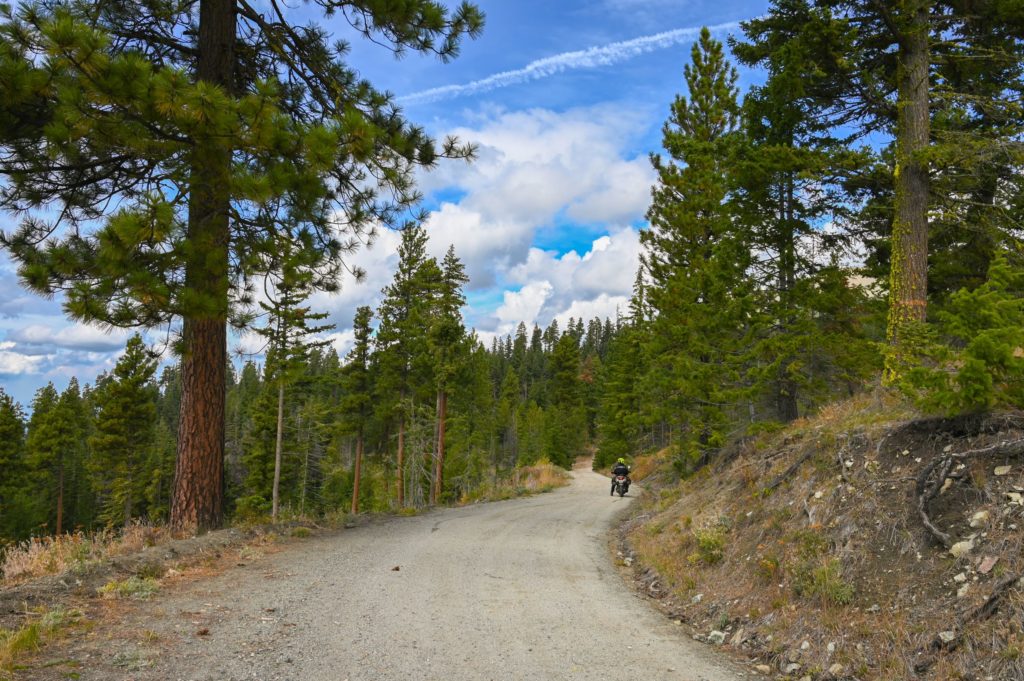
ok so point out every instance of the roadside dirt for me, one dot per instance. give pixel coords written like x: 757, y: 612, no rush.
x: 520, y: 589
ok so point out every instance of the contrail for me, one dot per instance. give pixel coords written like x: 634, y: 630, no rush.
x: 602, y: 55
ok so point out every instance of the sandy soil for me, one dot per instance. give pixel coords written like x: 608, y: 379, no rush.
x: 520, y: 589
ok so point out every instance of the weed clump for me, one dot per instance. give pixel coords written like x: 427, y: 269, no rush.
x: 134, y: 588
x: 30, y: 637
x: 710, y: 544
x: 824, y: 581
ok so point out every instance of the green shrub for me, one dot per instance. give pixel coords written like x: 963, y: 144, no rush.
x: 710, y: 544
x: 972, y: 359
x: 824, y: 581
x: 253, y: 508
x: 135, y: 588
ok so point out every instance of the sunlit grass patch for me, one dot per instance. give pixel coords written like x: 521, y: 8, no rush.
x: 134, y: 588
x: 30, y: 637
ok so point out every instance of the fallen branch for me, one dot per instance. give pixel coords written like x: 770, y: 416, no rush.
x: 982, y: 612
x: 789, y: 471
x: 991, y: 604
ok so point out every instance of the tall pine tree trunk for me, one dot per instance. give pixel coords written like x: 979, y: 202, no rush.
x: 442, y: 413
x: 197, y: 503
x: 908, y: 276
x: 786, y: 404
x: 276, y: 494
x: 60, y: 498
x: 400, y: 463
x: 357, y: 473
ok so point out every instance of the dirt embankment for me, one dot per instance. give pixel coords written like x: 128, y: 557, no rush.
x: 852, y: 546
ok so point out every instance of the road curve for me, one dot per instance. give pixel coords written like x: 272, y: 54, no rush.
x: 520, y: 589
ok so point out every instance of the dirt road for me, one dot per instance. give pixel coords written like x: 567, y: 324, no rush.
x: 521, y: 589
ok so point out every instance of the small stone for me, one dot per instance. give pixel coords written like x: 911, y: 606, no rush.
x: 1015, y: 498
x: 962, y: 591
x: 979, y: 519
x: 716, y: 637
x: 947, y: 636
x: 806, y: 645
x: 831, y: 647
x: 1003, y: 470
x: 874, y: 608
x: 696, y: 599
x: 946, y: 485
x: 987, y: 564
x: 763, y: 669
x: 806, y: 678
x: 960, y: 578
x: 962, y: 548
x: 627, y: 561
x: 836, y: 669
x: 947, y: 448
x: 738, y: 638
x: 818, y: 495
x: 791, y: 668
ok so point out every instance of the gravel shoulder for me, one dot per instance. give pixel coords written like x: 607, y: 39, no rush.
x: 521, y: 589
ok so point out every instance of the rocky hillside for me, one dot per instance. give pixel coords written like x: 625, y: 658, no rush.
x: 868, y: 543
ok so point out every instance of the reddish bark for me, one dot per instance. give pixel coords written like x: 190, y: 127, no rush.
x: 197, y: 501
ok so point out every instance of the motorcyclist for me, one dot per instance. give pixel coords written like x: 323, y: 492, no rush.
x: 620, y: 468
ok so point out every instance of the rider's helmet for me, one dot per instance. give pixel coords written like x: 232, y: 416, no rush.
x: 621, y: 460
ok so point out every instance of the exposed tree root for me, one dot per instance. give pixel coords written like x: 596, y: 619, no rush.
x: 929, y: 484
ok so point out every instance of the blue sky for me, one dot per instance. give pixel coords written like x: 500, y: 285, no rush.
x: 568, y: 103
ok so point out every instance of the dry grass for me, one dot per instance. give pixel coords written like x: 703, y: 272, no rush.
x: 540, y: 477
x: 811, y: 534
x: 41, y: 556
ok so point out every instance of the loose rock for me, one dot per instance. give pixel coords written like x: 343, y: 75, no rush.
x: 716, y: 637
x: 962, y: 548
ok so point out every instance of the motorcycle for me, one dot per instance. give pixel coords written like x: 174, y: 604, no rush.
x: 620, y: 483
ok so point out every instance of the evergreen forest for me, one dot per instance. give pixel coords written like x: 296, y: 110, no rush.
x: 852, y: 223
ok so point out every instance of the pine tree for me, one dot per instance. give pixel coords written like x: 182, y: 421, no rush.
x: 186, y: 133
x: 15, y: 520
x: 565, y: 420
x: 446, y: 338
x: 357, y: 386
x: 980, y: 365
x: 289, y: 331
x: 55, y: 447
x: 402, y: 362
x: 877, y: 67
x: 123, y: 440
x: 785, y: 193
x: 697, y: 258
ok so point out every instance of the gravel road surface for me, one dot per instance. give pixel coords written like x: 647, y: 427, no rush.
x: 520, y: 589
